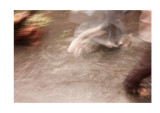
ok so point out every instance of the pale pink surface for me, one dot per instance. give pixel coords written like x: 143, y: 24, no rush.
x: 145, y: 26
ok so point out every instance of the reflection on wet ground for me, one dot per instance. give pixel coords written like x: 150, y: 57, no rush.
x: 47, y: 73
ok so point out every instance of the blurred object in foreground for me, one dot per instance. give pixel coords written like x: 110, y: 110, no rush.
x: 28, y: 27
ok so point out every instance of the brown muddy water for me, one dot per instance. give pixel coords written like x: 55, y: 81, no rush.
x: 48, y: 73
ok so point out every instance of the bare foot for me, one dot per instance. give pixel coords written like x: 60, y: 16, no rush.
x: 144, y: 92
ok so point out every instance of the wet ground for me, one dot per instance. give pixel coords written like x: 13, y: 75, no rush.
x: 47, y: 73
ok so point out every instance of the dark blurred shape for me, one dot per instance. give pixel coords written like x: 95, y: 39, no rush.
x: 25, y: 34
x: 143, y: 68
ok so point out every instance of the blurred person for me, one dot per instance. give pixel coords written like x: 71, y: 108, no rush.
x: 143, y: 68
x: 104, y: 27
